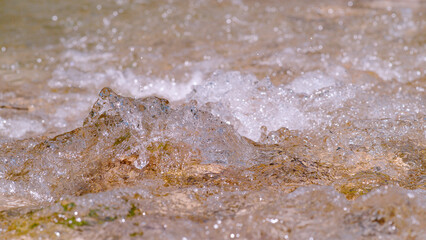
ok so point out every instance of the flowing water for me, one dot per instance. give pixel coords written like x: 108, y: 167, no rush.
x: 227, y: 119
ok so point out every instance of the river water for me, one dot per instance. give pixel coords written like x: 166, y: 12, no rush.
x: 227, y: 119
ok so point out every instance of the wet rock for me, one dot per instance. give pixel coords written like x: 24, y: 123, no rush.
x: 122, y: 140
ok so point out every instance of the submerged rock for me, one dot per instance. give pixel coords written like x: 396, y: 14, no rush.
x: 122, y: 140
x: 296, y: 120
x: 144, y: 156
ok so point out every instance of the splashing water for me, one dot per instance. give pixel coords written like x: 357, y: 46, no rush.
x: 222, y: 119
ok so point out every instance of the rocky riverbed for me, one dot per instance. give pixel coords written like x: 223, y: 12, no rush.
x: 134, y: 119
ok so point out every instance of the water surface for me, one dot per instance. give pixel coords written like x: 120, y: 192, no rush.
x: 222, y: 119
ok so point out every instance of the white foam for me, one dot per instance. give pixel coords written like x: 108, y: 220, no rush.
x: 311, y: 82
x: 311, y: 101
x: 141, y: 86
x: 248, y: 104
x: 17, y: 127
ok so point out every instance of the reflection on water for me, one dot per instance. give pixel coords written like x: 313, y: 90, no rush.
x: 276, y: 120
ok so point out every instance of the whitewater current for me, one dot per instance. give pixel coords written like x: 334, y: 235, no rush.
x: 134, y: 119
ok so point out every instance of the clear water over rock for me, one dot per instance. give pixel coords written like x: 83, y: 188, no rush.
x: 212, y: 119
